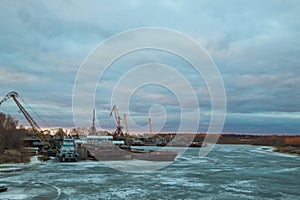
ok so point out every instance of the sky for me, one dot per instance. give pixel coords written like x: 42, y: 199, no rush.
x: 254, y: 45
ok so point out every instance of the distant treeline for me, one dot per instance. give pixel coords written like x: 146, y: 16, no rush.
x: 267, y: 140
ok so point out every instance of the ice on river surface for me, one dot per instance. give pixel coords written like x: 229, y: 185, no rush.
x: 227, y: 172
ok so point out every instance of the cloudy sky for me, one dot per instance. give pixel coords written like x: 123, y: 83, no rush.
x: 254, y: 44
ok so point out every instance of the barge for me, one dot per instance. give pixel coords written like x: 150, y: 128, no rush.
x: 104, y: 148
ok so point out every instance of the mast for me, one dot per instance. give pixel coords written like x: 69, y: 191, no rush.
x: 150, y: 125
x: 125, y: 123
x: 93, y: 125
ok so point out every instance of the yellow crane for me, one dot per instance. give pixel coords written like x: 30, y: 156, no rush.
x: 35, y: 127
x: 118, y: 134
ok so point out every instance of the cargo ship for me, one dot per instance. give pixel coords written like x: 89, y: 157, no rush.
x: 104, y: 148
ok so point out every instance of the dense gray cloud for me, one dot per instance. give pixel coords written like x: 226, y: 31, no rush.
x: 255, y: 45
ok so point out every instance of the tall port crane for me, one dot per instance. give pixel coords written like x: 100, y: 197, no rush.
x: 118, y: 132
x: 35, y: 127
x: 93, y: 129
x: 150, y: 125
x: 125, y: 123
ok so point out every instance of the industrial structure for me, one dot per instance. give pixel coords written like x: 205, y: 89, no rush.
x: 68, y: 153
x: 125, y: 123
x: 118, y: 134
x: 150, y: 125
x: 93, y: 128
x: 35, y: 127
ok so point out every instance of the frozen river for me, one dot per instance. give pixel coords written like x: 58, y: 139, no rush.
x: 227, y: 172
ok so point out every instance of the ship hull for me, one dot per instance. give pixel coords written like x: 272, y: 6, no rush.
x: 108, y: 152
x: 112, y: 152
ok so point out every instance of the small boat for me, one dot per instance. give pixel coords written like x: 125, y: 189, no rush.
x: 3, y: 188
x: 198, y: 144
x: 187, y: 144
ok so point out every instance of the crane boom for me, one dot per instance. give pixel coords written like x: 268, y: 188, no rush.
x: 93, y: 128
x: 14, y: 95
x: 118, y: 131
x: 150, y: 125
x: 125, y: 123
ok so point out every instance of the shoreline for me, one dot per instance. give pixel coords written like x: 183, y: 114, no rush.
x: 7, y: 160
x: 14, y: 157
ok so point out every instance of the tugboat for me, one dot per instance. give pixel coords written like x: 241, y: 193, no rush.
x: 67, y: 151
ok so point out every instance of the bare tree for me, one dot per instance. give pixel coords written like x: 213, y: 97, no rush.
x: 10, y: 137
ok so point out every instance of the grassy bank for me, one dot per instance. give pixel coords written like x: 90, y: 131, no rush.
x: 14, y: 156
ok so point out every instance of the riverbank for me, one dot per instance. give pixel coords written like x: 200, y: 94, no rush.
x: 14, y: 156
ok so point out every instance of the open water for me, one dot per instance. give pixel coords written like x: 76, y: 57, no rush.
x: 227, y: 172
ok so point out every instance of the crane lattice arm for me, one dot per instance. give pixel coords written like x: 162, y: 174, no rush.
x: 34, y: 125
x: 150, y: 125
x: 125, y: 123
x: 93, y: 128
x: 118, y: 130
